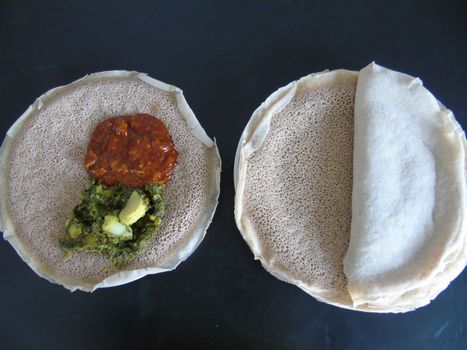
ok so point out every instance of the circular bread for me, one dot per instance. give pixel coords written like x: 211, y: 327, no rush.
x: 293, y: 179
x: 293, y: 189
x: 42, y: 177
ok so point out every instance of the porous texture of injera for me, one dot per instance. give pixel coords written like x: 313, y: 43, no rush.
x: 299, y: 188
x: 47, y: 176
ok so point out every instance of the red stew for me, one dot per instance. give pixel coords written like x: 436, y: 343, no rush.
x: 131, y: 150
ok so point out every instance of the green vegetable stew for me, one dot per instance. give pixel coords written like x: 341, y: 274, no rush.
x: 115, y: 221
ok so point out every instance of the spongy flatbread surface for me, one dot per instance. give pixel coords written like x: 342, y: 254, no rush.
x: 409, y: 200
x: 46, y: 177
x: 294, y: 207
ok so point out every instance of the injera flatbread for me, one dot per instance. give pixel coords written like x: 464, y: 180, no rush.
x: 293, y: 177
x: 43, y: 176
x: 409, y: 199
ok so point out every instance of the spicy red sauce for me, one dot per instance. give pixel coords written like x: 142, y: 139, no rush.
x: 131, y: 150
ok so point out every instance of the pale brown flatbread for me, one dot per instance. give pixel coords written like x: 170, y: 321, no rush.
x: 42, y: 177
x: 409, y: 195
x: 298, y: 204
x: 294, y: 183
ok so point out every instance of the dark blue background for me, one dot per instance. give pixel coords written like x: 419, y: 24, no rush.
x: 227, y: 56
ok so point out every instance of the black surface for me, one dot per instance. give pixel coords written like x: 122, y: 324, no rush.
x: 227, y: 57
